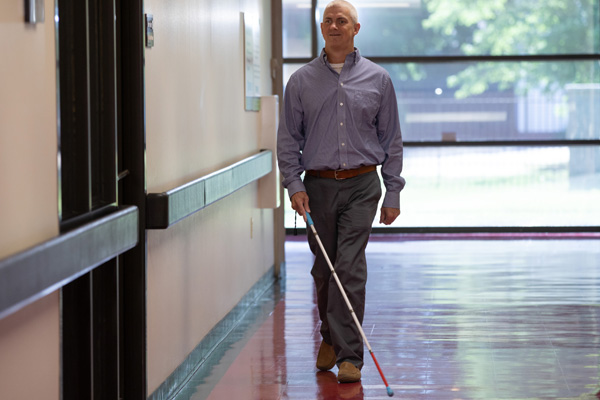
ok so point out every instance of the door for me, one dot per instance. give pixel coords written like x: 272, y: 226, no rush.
x: 101, y: 168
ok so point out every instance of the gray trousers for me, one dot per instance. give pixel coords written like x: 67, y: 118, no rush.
x: 343, y: 213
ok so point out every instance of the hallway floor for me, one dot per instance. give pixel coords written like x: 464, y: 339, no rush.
x: 447, y: 319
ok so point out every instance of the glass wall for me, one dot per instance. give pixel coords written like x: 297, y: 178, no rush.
x: 467, y: 27
x: 511, y: 186
x: 296, y: 35
x: 494, y: 101
x: 499, y: 105
x: 455, y: 27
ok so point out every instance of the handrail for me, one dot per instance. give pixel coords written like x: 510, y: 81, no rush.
x: 166, y: 208
x: 33, y: 273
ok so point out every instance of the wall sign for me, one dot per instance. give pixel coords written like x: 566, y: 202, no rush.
x: 251, y: 29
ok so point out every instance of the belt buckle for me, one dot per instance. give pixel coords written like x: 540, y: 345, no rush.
x: 335, y: 175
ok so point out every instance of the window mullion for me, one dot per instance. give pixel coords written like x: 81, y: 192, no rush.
x: 314, y: 29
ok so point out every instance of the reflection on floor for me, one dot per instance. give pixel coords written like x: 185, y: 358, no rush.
x: 466, y: 319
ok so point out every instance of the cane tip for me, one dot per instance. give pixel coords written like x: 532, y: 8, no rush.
x: 390, y: 391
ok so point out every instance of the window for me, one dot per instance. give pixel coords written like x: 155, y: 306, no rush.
x: 498, y: 101
x: 499, y: 105
x: 463, y: 28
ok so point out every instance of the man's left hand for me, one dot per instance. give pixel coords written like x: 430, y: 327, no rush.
x: 388, y: 215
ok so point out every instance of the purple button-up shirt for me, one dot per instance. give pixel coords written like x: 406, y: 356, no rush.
x: 332, y: 121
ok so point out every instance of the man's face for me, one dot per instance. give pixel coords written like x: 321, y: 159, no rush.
x: 338, y: 29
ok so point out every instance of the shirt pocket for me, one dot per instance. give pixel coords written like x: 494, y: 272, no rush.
x: 366, y: 107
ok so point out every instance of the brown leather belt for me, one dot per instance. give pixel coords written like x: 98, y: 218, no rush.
x: 342, y: 173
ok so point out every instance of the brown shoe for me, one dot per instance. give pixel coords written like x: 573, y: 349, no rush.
x: 348, y: 373
x: 326, y: 358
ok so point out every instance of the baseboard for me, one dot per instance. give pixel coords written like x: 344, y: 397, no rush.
x: 169, y: 388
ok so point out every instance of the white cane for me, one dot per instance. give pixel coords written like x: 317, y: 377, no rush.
x: 390, y: 392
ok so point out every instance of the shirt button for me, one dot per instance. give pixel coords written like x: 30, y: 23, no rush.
x: 344, y: 164
x: 341, y: 104
x: 341, y: 124
x: 343, y: 144
x: 342, y: 84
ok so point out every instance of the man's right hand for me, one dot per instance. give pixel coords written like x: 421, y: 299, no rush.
x: 300, y: 203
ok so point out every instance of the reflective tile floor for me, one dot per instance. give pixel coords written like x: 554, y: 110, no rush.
x: 447, y: 319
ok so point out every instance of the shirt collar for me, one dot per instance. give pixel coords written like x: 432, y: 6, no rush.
x: 354, y: 56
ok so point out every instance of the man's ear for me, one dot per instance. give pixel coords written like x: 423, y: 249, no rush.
x: 356, y: 28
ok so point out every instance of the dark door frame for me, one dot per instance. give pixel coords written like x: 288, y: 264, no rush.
x: 101, y: 149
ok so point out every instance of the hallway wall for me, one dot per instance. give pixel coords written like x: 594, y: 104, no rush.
x: 196, y: 123
x: 29, y: 338
x: 199, y: 268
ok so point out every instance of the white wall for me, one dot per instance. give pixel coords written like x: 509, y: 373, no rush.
x: 29, y: 339
x: 201, y: 267
x: 196, y: 123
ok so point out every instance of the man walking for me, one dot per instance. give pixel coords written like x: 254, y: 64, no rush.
x: 339, y: 121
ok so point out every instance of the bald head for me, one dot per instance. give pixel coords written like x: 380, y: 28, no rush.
x: 343, y: 3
